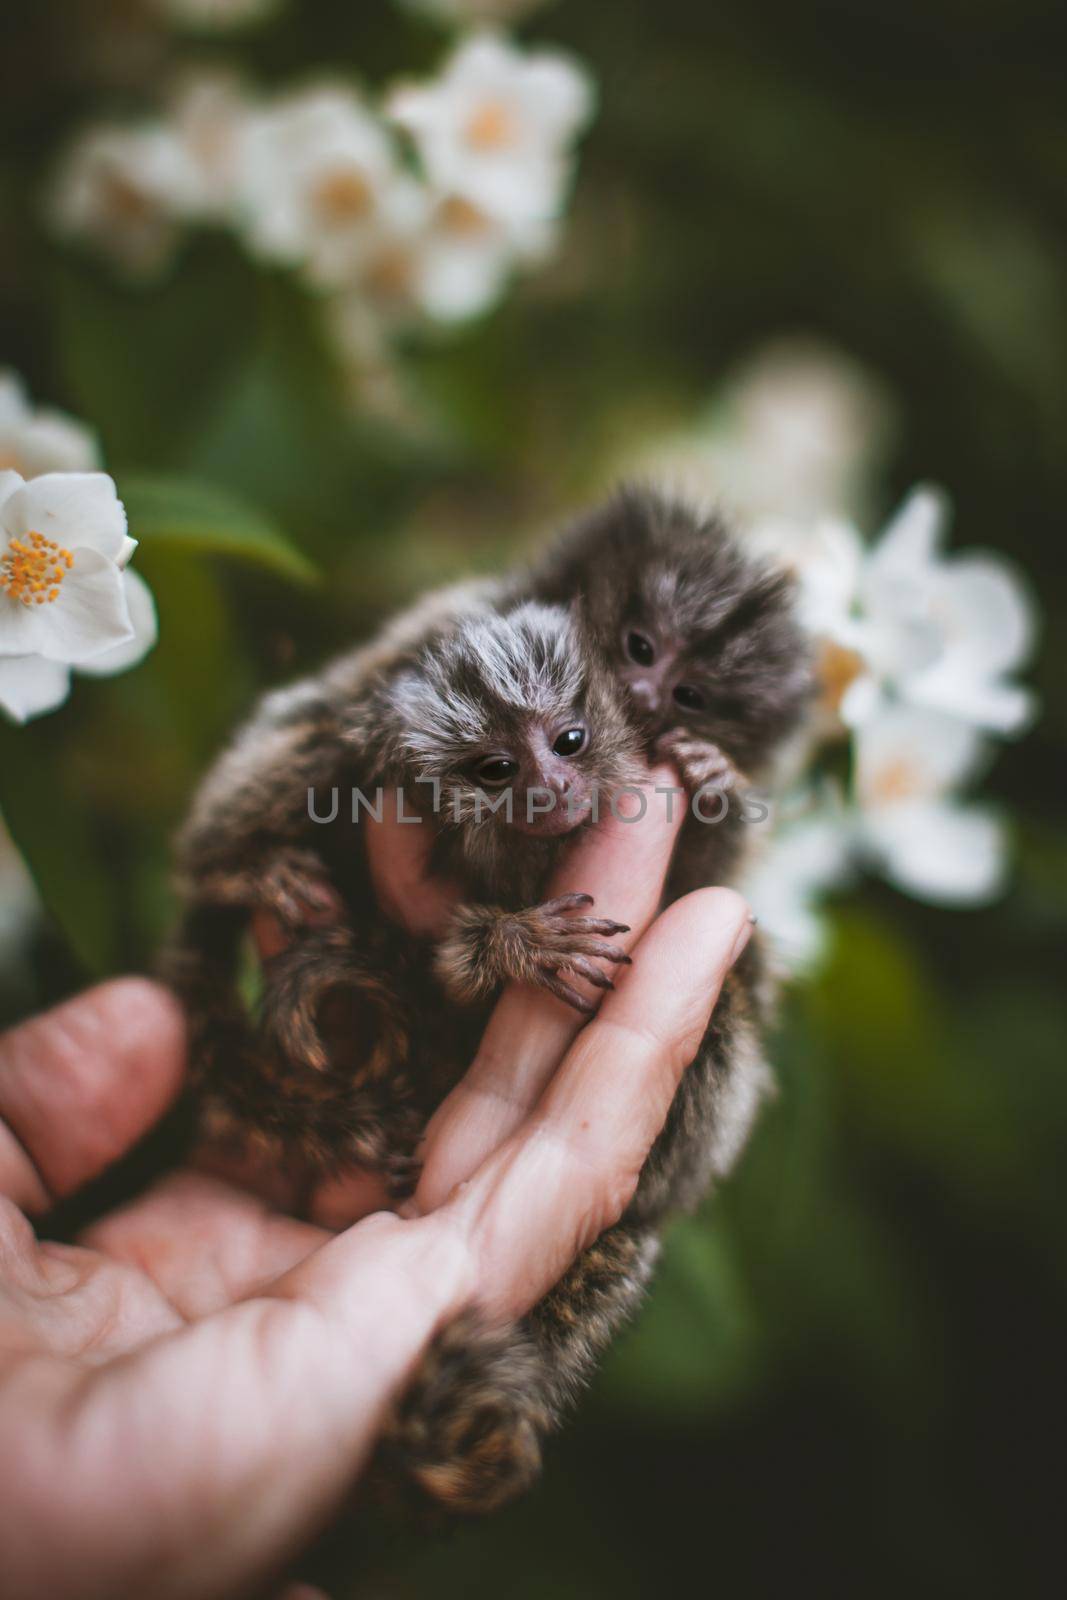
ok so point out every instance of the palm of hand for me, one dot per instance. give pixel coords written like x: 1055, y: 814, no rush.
x: 195, y: 1387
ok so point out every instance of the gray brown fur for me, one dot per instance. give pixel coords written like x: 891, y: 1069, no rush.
x: 458, y: 681
x: 467, y: 1434
x: 648, y: 562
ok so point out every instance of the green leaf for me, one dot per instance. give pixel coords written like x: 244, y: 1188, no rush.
x: 198, y: 516
x: 58, y: 842
x: 698, y: 1342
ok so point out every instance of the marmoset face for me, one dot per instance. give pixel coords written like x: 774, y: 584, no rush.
x: 699, y: 636
x: 516, y: 722
x: 541, y: 767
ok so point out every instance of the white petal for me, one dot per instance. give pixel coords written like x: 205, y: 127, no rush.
x: 76, y: 509
x: 784, y: 885
x: 560, y: 90
x: 22, y: 628
x: 453, y: 283
x: 483, y: 57
x: 91, y: 613
x: 826, y: 559
x: 49, y: 441
x: 9, y: 482
x: 14, y: 406
x: 912, y: 536
x: 1003, y: 708
x: 861, y: 702
x: 908, y: 754
x: 30, y: 686
x: 986, y: 612
x: 142, y: 609
x: 946, y: 854
x: 412, y: 106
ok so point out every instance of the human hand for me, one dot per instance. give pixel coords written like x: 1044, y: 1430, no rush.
x: 193, y: 1390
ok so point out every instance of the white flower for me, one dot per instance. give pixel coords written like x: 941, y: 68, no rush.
x: 32, y: 685
x: 925, y: 841
x: 316, y: 170
x: 903, y: 622
x: 786, y: 883
x: 63, y: 545
x: 942, y: 632
x: 208, y: 118
x: 120, y: 190
x: 217, y: 15
x: 33, y: 441
x: 459, y: 258
x: 496, y: 127
x: 795, y: 434
x: 825, y: 557
x: 441, y: 259
x: 466, y: 255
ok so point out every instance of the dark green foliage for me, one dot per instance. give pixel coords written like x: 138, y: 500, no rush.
x: 849, y: 1376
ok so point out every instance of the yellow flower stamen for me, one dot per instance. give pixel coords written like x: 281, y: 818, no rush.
x: 837, y: 668
x: 33, y: 568
x: 898, y: 780
x: 344, y: 197
x: 492, y: 127
x: 390, y: 274
x: 458, y: 216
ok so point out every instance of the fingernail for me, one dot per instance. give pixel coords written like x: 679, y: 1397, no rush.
x: 744, y: 934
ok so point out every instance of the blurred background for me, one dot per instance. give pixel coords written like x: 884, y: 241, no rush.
x: 850, y: 1368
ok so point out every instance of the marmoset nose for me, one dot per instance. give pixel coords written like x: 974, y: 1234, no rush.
x: 644, y: 695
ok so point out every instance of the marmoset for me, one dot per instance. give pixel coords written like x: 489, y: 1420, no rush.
x: 704, y: 643
x: 703, y: 640
x: 354, y: 1043
x: 676, y: 645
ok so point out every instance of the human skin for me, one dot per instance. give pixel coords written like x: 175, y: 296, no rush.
x: 193, y: 1389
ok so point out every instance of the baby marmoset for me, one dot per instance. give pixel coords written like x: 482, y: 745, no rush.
x: 703, y: 641
x: 701, y: 644
x: 355, y: 1042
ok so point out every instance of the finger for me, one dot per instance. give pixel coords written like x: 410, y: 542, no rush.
x: 345, y: 1197
x: 270, y: 1407
x: 203, y: 1242
x: 571, y: 1169
x: 81, y: 1083
x: 623, y: 864
x: 214, y: 1451
x: 398, y: 857
x: 335, y: 1201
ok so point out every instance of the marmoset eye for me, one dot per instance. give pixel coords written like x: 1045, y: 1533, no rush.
x: 569, y: 743
x: 496, y: 770
x: 640, y: 649
x: 690, y: 698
